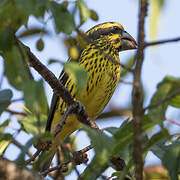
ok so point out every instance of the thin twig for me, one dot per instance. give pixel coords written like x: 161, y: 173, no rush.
x: 162, y: 101
x: 146, y: 44
x: 34, y: 156
x: 16, y: 112
x: 60, y: 166
x: 137, y: 94
x: 173, y: 122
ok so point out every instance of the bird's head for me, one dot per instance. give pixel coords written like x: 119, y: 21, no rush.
x: 115, y: 34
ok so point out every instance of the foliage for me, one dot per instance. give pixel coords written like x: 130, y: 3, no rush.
x: 114, y: 141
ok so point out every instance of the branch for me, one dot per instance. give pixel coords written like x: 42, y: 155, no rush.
x: 57, y: 87
x: 161, y: 42
x: 78, y: 158
x: 10, y: 170
x: 137, y: 94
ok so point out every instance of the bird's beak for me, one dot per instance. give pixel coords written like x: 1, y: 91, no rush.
x: 128, y: 42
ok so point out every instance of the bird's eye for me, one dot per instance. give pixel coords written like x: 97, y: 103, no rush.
x: 116, y: 29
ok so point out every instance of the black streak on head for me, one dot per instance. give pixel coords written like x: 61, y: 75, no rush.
x: 104, y: 32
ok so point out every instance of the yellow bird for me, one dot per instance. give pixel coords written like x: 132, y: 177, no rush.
x: 100, y: 59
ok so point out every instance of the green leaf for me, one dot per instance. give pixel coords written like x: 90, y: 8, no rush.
x: 15, y: 69
x: 34, y: 125
x: 102, y: 144
x: 5, y: 99
x: 155, y: 10
x: 6, y: 39
x: 175, y: 102
x: 35, y: 98
x: 124, y: 135
x: 84, y: 12
x: 64, y: 21
x: 169, y: 153
x: 166, y: 88
x: 35, y: 7
x: 94, y: 170
x: 5, y: 140
x: 77, y: 73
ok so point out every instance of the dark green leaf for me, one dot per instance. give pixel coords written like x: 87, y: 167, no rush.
x: 5, y: 99
x: 94, y: 170
x: 77, y: 73
x: 102, y: 144
x: 169, y: 153
x: 15, y: 69
x: 64, y: 21
x: 33, y: 124
x: 124, y: 135
x: 6, y: 39
x: 35, y: 7
x: 35, y: 98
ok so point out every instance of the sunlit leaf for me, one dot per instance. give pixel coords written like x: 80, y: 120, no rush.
x: 5, y: 140
x: 4, y: 125
x: 5, y: 99
x: 155, y: 11
x: 85, y: 13
x: 77, y: 73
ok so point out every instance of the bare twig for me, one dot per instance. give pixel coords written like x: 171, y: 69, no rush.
x: 146, y: 44
x: 173, y: 122
x: 137, y: 94
x: 16, y: 112
x: 162, y: 101
x: 34, y: 156
x: 60, y: 166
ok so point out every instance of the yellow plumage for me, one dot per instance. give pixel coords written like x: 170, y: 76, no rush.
x: 100, y: 58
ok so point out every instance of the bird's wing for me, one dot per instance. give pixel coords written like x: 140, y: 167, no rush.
x: 63, y: 78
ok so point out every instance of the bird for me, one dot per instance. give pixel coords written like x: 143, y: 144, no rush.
x: 100, y: 59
